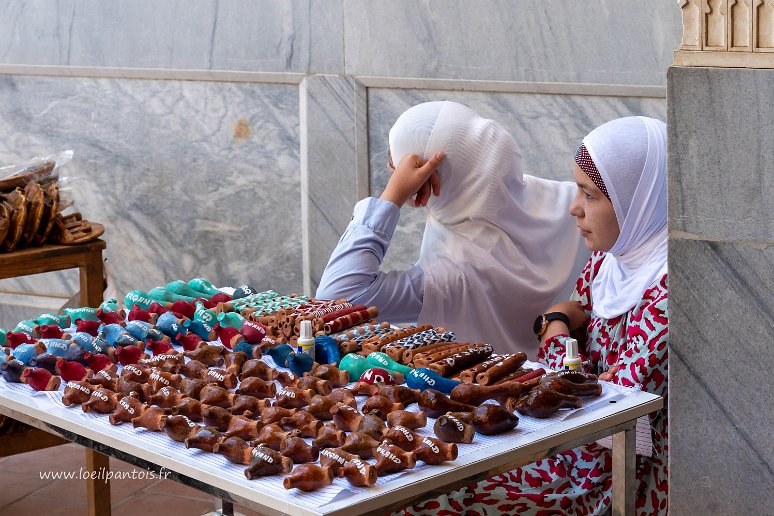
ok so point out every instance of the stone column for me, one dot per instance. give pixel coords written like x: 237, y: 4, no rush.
x: 721, y: 259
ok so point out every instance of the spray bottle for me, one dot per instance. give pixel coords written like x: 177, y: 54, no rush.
x: 306, y: 339
x: 572, y: 360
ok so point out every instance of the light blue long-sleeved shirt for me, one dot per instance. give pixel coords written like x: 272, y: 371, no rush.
x: 353, y: 269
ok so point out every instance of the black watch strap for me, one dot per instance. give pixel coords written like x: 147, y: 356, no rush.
x: 541, y: 323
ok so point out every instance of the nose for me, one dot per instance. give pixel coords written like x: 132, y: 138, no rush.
x: 575, y: 208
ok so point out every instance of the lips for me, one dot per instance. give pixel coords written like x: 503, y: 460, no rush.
x: 584, y: 232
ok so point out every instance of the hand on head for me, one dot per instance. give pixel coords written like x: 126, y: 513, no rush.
x: 413, y: 181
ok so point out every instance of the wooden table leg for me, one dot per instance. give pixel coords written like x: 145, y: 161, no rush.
x: 624, y: 471
x: 98, y: 489
x: 226, y: 508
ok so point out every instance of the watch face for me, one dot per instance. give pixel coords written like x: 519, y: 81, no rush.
x: 538, y: 325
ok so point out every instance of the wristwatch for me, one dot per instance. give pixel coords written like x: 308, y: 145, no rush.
x: 541, y: 323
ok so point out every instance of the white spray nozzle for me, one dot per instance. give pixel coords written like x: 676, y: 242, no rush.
x: 571, y: 348
x: 306, y: 330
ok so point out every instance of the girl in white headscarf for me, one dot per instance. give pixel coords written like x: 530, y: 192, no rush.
x: 499, y: 246
x: 620, y: 302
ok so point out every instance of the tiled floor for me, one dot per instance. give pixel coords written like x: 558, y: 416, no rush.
x: 23, y: 492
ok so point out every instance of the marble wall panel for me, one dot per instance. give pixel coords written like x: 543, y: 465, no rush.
x: 189, y: 178
x: 722, y: 177
x: 548, y: 129
x: 248, y: 35
x: 721, y: 326
x: 605, y: 41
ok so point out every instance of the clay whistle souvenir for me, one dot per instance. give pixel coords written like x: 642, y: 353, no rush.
x: 380, y: 406
x: 50, y: 331
x: 435, y: 403
x: 188, y: 407
x: 359, y: 473
x: 97, y: 362
x: 291, y: 397
x: 392, y: 459
x: 266, y: 461
x: 204, y: 438
x: 330, y: 437
x: 300, y: 362
x: 423, y: 378
x: 434, y: 451
x: 71, y: 371
x: 90, y: 326
x: 299, y: 451
x: 308, y: 477
x: 48, y: 362
x: 210, y: 355
x: 402, y: 437
x: 76, y: 393
x: 412, y: 420
x: 337, y: 377
x: 127, y: 408
x: 492, y: 419
x: 179, y: 428
x: 152, y: 418
x: 361, y: 445
x: 451, y: 429
x: 279, y: 354
x: 102, y: 400
x: 399, y: 394
x: 40, y: 379
x: 235, y: 449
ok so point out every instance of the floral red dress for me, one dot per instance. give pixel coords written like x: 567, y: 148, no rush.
x: 579, y: 481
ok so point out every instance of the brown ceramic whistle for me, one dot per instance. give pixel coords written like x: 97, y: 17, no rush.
x: 293, y: 397
x: 391, y: 459
x: 158, y: 379
x: 360, y: 444
x: 204, y: 438
x: 257, y: 388
x: 543, y: 403
x: 402, y: 437
x: 399, y: 394
x: 330, y: 437
x: 473, y: 394
x: 191, y: 387
x: 318, y: 385
x: 450, y: 429
x: 258, y: 369
x: 216, y: 396
x: 308, y: 477
x: 359, y: 473
x: 365, y: 389
x: 576, y: 376
x: 216, y: 417
x: 434, y: 451
x: 287, y: 378
x: 564, y: 386
x: 105, y: 378
x: 493, y: 419
x: 220, y: 378
x: 275, y: 414
x: 248, y: 405
x: 152, y: 418
x: 333, y: 374
x: 193, y: 369
x: 272, y: 436
x: 306, y: 424
x: 188, y: 407
x: 343, y: 395
x: 372, y: 425
x: 102, y: 400
x: 242, y: 427
x: 320, y: 407
x: 234, y: 361
x: 336, y: 458
x: 127, y: 387
x: 435, y: 403
x: 412, y: 420
x: 298, y: 450
x: 208, y: 354
x: 179, y: 428
x: 345, y: 417
x: 136, y: 373
x: 76, y: 393
x: 171, y: 361
x: 266, y: 461
x: 380, y: 406
x: 127, y: 408
x: 235, y: 449
x: 166, y: 397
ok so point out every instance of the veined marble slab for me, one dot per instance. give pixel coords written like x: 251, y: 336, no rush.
x: 189, y: 178
x: 548, y: 129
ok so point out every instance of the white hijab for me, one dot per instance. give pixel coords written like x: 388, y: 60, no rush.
x: 630, y: 155
x: 499, y: 247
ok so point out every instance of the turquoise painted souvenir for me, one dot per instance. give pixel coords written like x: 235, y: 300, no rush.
x: 27, y: 327
x: 203, y: 314
x: 24, y: 352
x: 170, y: 325
x: 63, y: 321
x: 83, y: 339
x: 279, y: 354
x: 203, y: 286
x: 245, y: 347
x: 200, y: 328
x: 99, y: 345
x: 355, y: 364
x: 300, y: 362
x: 111, y: 305
x: 3, y: 333
x: 139, y: 298
x: 85, y: 313
x: 232, y: 319
x: 378, y: 359
x: 181, y: 288
x: 163, y: 295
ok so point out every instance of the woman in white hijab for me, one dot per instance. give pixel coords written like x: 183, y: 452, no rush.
x: 620, y: 301
x: 498, y: 247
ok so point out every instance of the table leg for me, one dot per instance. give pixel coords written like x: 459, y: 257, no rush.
x: 624, y: 470
x: 98, y: 489
x: 226, y: 508
x: 92, y: 280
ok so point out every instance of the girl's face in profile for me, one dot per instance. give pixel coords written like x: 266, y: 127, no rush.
x: 594, y: 214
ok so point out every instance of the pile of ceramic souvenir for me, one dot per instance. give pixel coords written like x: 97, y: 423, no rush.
x: 218, y: 373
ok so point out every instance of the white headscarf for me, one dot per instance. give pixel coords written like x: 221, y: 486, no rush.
x: 630, y: 155
x: 499, y: 247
